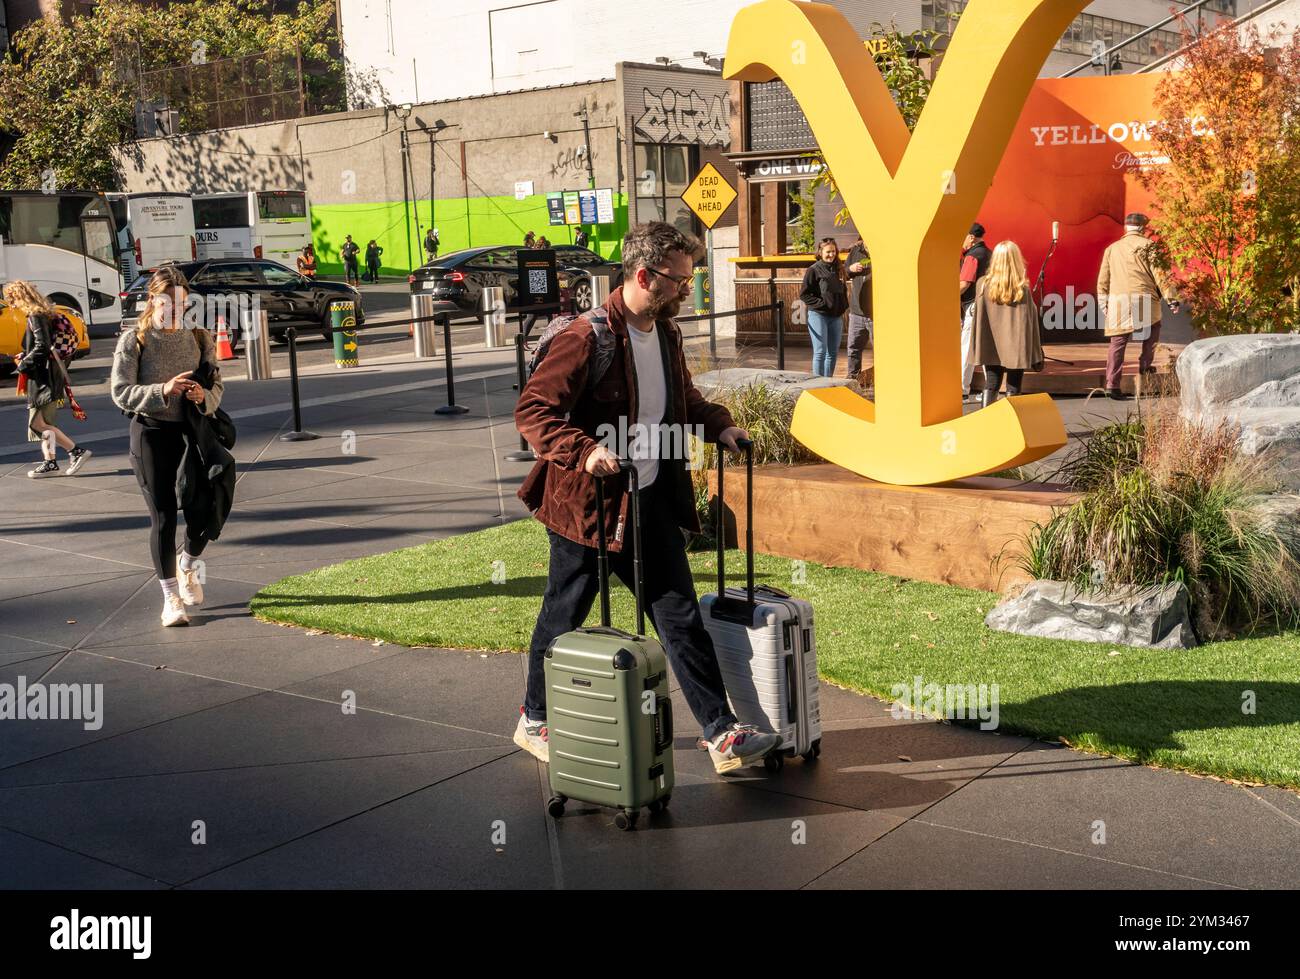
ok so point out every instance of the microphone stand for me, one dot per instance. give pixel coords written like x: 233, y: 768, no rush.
x: 1037, y: 293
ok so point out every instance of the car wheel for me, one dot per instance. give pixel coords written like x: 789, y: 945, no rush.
x: 582, y: 296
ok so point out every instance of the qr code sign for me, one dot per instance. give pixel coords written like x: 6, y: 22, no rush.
x: 537, y: 281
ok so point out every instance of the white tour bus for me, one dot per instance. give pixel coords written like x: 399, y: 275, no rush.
x: 152, y: 229
x: 272, y: 224
x: 65, y: 244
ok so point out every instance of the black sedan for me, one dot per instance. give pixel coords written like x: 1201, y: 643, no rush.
x: 226, y: 284
x: 456, y: 280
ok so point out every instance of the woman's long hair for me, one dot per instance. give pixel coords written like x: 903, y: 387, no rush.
x: 1007, y: 283
x: 161, y: 284
x: 24, y: 296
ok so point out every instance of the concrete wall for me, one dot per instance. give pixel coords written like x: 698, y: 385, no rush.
x: 351, y: 165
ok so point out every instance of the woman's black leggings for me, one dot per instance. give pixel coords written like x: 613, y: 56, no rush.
x: 156, y: 452
x: 993, y: 380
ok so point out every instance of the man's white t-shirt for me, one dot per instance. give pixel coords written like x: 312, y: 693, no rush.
x: 652, y: 401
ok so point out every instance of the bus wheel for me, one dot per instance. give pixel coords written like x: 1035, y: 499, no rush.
x: 62, y: 299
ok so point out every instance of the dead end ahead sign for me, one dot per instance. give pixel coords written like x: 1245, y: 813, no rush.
x: 709, y: 195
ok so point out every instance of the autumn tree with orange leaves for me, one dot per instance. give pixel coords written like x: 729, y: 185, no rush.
x: 1228, y: 201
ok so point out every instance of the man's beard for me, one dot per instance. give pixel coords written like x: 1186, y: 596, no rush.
x: 665, y: 307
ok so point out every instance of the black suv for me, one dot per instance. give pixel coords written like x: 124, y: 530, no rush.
x: 288, y: 298
x: 457, y: 280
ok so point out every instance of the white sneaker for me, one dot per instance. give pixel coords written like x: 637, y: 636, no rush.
x: 531, y: 736
x: 187, y: 583
x: 173, y: 612
x: 77, y: 460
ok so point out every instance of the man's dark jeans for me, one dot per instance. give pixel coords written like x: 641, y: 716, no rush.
x: 671, y: 606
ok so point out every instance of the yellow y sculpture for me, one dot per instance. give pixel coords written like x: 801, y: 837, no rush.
x: 913, y: 196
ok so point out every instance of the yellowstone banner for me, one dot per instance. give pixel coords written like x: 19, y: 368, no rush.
x: 1074, y: 158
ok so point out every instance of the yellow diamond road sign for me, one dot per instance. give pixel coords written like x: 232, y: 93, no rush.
x: 709, y: 195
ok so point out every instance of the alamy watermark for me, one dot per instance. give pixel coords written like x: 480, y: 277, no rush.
x: 53, y: 702
x: 662, y: 441
x: 952, y: 701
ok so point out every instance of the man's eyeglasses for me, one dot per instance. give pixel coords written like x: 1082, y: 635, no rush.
x: 680, y: 281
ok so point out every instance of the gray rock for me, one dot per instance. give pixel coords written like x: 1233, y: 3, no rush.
x: 1222, y: 371
x: 1156, y: 617
x: 1252, y: 382
x: 790, y: 383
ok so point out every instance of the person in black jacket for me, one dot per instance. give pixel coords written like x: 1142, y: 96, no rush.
x: 373, y: 251
x: 826, y: 299
x: 860, y: 321
x: 46, y: 379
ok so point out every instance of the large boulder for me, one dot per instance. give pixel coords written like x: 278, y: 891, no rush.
x: 1157, y: 617
x: 1253, y: 382
x: 790, y: 383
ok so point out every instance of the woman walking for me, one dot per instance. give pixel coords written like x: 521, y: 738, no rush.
x: 46, y: 379
x: 824, y: 295
x: 152, y: 370
x: 1006, y: 323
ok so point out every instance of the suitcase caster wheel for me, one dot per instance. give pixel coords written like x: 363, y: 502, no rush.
x: 817, y: 748
x: 774, y: 762
x: 626, y: 820
x: 809, y: 755
x: 556, y: 807
x: 655, y: 807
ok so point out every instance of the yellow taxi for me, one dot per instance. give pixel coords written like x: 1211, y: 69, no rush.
x: 13, y: 324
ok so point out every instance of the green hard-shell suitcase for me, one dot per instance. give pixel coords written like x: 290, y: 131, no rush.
x: 609, y: 719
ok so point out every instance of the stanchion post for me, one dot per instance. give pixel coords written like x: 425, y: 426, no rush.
x: 778, y: 312
x: 450, y: 408
x: 524, y: 453
x: 297, y: 435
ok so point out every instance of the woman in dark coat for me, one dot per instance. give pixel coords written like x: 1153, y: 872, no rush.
x: 46, y: 379
x: 1006, y: 323
x: 824, y: 295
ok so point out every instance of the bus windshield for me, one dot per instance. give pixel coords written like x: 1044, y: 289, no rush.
x: 221, y: 212
x: 281, y: 205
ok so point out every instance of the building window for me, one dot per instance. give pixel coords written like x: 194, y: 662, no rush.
x: 663, y: 172
x: 942, y: 15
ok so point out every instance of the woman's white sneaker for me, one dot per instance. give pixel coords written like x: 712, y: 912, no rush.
x: 173, y: 612
x: 191, y: 589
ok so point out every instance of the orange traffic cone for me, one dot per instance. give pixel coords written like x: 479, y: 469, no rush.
x: 224, y: 350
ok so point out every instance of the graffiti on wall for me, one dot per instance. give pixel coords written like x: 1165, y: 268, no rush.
x: 571, y: 162
x: 671, y: 116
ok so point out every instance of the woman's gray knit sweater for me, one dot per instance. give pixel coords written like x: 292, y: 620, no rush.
x: 140, y: 372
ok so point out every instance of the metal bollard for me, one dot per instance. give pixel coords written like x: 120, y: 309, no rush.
x: 257, y: 343
x: 494, y: 317
x: 425, y: 330
x: 599, y: 290
x: 343, y: 318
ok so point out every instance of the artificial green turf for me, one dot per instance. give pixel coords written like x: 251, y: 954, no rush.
x: 1175, y: 708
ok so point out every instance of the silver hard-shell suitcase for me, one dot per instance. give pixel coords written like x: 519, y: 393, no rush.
x: 765, y: 642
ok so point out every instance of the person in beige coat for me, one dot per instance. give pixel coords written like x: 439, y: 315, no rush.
x: 1130, y: 286
x: 1006, y: 323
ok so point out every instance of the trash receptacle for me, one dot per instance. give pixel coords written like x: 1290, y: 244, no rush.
x: 701, y: 291
x: 424, y: 329
x: 494, y: 316
x: 257, y: 343
x: 343, y: 318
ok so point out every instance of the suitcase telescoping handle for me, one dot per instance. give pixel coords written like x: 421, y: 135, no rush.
x: 602, y: 546
x: 748, y: 446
